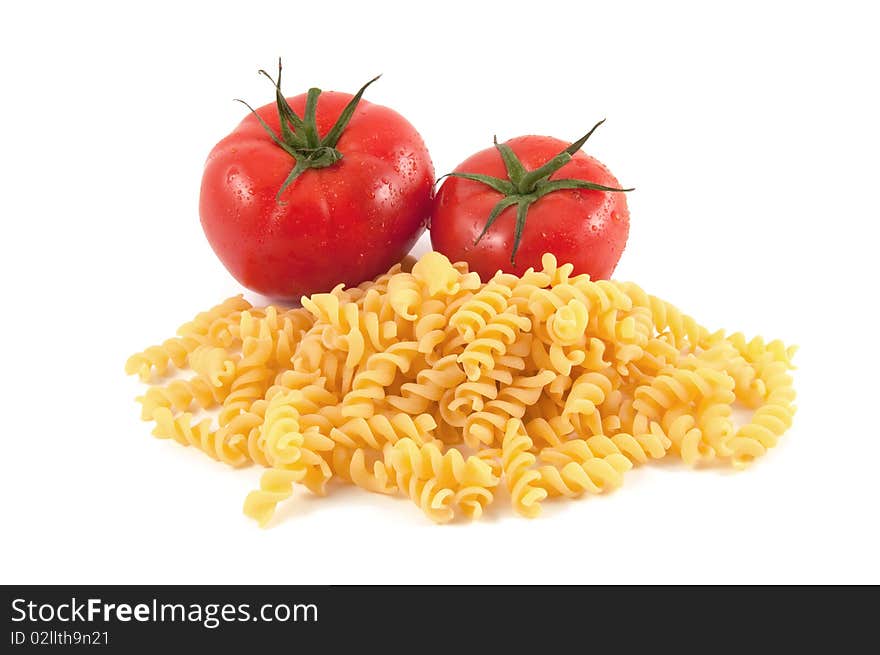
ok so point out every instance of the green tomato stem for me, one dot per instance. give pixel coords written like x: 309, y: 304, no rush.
x: 300, y: 137
x: 523, y: 188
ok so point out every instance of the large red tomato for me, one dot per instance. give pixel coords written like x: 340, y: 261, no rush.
x: 504, y: 207
x: 338, y: 191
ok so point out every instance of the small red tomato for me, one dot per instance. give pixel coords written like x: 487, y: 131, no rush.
x: 314, y: 190
x: 504, y: 207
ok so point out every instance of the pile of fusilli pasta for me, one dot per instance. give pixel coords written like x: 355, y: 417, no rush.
x: 428, y: 383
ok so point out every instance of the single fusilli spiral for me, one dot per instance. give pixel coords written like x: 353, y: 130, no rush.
x: 252, y: 376
x: 190, y: 336
x: 377, y: 430
x: 678, y: 386
x: 582, y: 405
x: 405, y: 295
x: 213, y: 363
x: 592, y: 465
x: 666, y: 316
x: 157, y: 359
x: 770, y: 420
x: 415, y: 470
x: 523, y: 480
x: 183, y: 430
x: 473, y: 315
x: 344, y: 319
x: 371, y: 381
x: 181, y: 395
x: 352, y: 466
x: 492, y: 341
x: 429, y: 386
x: 294, y: 455
x: 488, y: 425
x: 438, y: 277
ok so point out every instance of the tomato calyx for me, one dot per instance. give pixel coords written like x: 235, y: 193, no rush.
x: 523, y: 187
x: 299, y: 135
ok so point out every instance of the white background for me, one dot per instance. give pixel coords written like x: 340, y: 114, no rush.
x: 750, y: 132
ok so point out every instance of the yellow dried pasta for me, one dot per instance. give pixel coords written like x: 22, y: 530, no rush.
x: 429, y: 384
